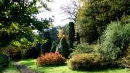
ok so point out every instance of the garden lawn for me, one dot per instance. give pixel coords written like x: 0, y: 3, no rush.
x: 11, y: 69
x: 31, y: 63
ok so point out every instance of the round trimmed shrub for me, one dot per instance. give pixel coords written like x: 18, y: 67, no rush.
x: 51, y: 59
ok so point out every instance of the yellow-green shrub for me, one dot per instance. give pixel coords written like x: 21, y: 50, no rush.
x: 82, y: 48
x: 86, y: 62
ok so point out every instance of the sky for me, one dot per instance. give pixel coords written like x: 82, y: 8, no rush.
x: 56, y: 11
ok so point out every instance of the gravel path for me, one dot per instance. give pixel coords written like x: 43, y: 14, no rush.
x: 23, y: 68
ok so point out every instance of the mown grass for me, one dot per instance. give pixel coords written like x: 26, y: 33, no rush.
x: 31, y: 63
x: 11, y: 69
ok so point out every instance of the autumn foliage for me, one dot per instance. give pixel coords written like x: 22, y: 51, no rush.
x: 50, y: 59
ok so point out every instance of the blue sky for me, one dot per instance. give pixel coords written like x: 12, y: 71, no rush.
x: 56, y: 11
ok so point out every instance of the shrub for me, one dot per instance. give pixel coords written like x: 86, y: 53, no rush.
x: 82, y: 48
x: 11, y: 51
x: 50, y: 59
x: 125, y: 60
x: 86, y: 62
x: 115, y: 40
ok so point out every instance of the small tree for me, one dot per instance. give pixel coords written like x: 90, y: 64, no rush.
x: 63, y: 47
x: 54, y: 45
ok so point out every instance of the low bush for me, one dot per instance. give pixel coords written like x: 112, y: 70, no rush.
x: 82, y: 48
x: 50, y: 59
x: 86, y: 62
x: 125, y: 60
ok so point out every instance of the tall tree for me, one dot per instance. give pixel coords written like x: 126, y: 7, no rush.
x: 95, y: 15
x: 71, y: 37
x: 47, y: 46
x: 18, y: 19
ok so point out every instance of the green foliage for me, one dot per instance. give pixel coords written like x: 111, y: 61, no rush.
x: 77, y: 38
x: 86, y: 62
x: 63, y: 47
x: 17, y: 20
x: 94, y: 16
x: 47, y: 45
x: 71, y: 36
x: 11, y: 51
x: 54, y: 45
x: 82, y: 48
x: 4, y: 61
x: 115, y: 40
x: 50, y: 59
x: 125, y: 60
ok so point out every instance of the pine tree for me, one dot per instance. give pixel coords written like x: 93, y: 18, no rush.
x: 71, y: 37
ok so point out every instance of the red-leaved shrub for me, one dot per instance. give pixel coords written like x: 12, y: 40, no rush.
x: 51, y: 59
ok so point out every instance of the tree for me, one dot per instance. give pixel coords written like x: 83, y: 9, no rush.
x: 54, y: 45
x: 18, y: 19
x: 63, y: 47
x: 46, y: 47
x: 77, y: 38
x: 95, y: 15
x: 71, y: 10
x: 71, y: 37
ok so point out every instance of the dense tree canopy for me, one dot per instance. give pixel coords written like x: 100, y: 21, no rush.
x: 18, y: 19
x: 94, y: 16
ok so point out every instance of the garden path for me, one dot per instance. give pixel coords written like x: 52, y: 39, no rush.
x: 23, y: 68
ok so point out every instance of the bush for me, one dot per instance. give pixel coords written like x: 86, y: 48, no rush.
x: 50, y: 59
x: 115, y: 40
x: 82, y: 48
x: 86, y: 62
x: 12, y: 51
x: 125, y: 60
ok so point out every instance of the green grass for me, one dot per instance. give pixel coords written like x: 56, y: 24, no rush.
x: 64, y: 69
x: 11, y: 69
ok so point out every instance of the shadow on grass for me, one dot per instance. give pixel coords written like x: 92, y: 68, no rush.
x: 28, y: 62
x: 99, y: 69
x: 2, y: 69
x: 55, y: 65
